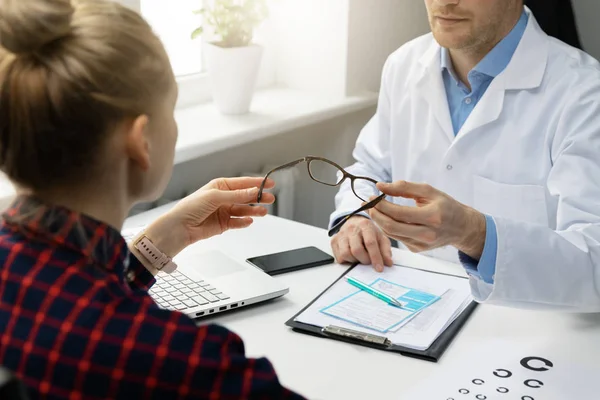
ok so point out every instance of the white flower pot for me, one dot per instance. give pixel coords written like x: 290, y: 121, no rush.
x: 233, y: 73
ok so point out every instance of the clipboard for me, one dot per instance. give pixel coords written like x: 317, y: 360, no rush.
x: 432, y: 354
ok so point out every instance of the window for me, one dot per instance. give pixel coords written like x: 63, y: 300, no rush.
x: 173, y: 22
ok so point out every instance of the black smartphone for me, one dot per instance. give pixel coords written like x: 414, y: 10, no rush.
x: 291, y: 260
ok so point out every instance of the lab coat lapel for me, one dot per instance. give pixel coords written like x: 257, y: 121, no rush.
x: 430, y: 86
x: 487, y: 110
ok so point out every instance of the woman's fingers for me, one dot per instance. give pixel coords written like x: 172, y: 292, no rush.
x: 242, y: 196
x: 247, y: 211
x: 242, y: 183
x: 239, y: 223
x: 267, y: 198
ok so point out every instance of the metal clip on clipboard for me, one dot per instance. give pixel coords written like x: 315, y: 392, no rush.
x: 356, y: 335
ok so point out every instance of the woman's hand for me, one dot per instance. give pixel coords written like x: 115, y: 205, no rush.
x: 221, y: 205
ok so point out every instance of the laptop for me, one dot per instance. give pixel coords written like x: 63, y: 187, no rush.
x: 210, y: 282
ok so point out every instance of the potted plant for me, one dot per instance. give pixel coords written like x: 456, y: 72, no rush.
x: 233, y: 61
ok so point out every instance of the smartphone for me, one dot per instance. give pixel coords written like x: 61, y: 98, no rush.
x: 292, y: 260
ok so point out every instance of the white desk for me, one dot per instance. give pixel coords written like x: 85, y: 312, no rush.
x: 327, y: 369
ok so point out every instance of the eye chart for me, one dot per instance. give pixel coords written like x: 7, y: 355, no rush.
x: 501, y: 371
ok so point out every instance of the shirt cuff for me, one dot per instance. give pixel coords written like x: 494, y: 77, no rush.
x: 339, y: 218
x: 485, y: 268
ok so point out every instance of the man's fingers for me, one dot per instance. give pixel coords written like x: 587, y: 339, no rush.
x: 397, y: 229
x: 344, y: 254
x: 411, y: 215
x: 335, y: 249
x: 372, y: 245
x: 412, y: 245
x: 385, y: 247
x: 357, y: 248
x: 406, y: 189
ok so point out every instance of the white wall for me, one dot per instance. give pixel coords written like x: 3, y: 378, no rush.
x: 338, y: 47
x: 311, y: 44
x: 587, y: 13
x: 376, y: 29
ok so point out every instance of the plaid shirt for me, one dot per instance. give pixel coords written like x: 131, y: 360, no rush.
x: 76, y: 320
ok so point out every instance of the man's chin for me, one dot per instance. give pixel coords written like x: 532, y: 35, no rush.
x: 452, y: 41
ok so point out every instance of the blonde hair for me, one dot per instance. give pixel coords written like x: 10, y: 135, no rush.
x: 70, y: 71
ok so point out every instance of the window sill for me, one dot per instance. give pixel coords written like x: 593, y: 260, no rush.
x: 203, y: 130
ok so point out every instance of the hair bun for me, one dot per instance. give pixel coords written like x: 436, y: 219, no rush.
x: 28, y: 25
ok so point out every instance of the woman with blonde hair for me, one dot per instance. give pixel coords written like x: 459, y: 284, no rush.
x: 87, y: 130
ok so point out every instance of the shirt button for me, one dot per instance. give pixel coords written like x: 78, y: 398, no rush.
x: 130, y: 276
x: 468, y: 100
x: 449, y: 167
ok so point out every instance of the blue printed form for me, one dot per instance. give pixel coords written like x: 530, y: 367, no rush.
x: 362, y: 309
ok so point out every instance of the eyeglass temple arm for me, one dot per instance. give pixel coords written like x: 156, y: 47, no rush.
x: 336, y: 228
x: 284, y: 166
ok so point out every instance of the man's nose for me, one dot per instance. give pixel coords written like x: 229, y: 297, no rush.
x: 443, y: 3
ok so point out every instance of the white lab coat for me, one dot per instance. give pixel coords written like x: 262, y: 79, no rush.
x: 528, y: 155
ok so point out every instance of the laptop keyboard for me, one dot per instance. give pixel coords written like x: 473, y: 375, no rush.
x: 178, y: 292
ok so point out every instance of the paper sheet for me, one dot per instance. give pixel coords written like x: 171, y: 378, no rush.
x: 421, y: 330
x: 367, y: 311
x: 363, y: 309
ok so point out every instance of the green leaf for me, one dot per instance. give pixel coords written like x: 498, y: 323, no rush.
x: 197, y: 32
x: 233, y: 21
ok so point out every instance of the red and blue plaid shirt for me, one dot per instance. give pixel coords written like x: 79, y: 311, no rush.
x: 76, y: 320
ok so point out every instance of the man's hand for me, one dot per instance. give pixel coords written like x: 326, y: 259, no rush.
x: 360, y: 240
x: 437, y: 220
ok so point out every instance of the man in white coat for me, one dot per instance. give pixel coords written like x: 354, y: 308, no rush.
x: 489, y: 132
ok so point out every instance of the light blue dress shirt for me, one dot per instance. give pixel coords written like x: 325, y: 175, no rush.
x: 462, y: 101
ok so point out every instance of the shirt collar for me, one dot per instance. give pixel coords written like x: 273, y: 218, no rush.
x: 97, y: 241
x: 499, y: 57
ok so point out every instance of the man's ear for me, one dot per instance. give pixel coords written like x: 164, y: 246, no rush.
x: 137, y: 145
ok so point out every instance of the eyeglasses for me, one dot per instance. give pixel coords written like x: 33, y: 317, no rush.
x: 327, y: 172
